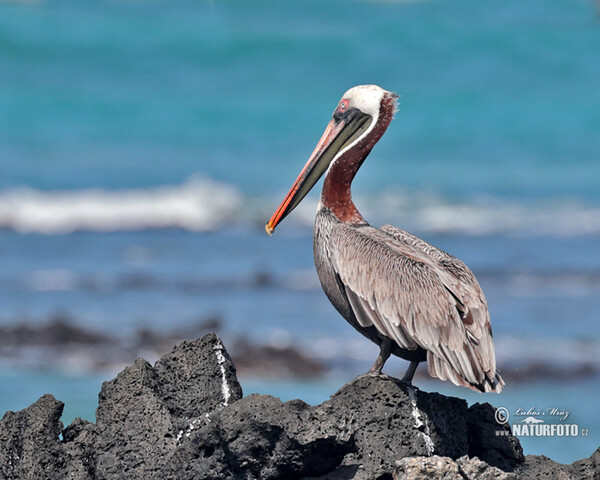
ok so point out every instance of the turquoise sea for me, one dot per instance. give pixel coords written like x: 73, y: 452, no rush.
x: 151, y: 140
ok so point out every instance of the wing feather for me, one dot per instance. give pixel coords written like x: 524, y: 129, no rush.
x: 367, y: 316
x: 474, y: 312
x: 418, y: 295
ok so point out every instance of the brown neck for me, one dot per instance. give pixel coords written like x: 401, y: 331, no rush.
x: 336, y: 194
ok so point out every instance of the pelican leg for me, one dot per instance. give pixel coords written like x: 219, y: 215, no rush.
x: 384, y: 354
x: 410, y: 373
x: 375, y: 370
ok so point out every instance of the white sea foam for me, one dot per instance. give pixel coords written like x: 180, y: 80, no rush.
x: 201, y: 204
x: 425, y: 212
x: 198, y: 204
x: 485, y: 216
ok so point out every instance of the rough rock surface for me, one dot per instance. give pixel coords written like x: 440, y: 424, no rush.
x: 142, y: 410
x: 444, y: 468
x: 541, y: 467
x: 185, y: 418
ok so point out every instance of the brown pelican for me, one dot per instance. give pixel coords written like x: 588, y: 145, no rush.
x: 409, y: 297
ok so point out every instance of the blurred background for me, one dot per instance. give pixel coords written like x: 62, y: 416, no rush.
x: 144, y: 144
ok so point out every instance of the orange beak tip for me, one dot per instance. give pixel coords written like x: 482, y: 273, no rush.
x: 268, y: 229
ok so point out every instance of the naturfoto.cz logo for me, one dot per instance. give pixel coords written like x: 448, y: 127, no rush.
x: 535, y: 422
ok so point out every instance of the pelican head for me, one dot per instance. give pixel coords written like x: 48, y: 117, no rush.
x: 354, y: 119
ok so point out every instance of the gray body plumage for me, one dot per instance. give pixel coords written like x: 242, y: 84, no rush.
x: 394, y: 287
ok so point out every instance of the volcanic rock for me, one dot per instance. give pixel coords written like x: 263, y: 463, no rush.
x: 185, y: 418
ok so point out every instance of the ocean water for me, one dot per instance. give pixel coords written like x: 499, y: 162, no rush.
x: 143, y: 145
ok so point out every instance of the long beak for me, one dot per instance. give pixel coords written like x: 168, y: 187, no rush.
x: 339, y: 133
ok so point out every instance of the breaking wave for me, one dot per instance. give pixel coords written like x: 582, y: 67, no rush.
x: 487, y: 216
x: 425, y: 212
x: 201, y: 204
x: 198, y: 204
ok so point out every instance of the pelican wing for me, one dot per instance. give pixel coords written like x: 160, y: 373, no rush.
x: 450, y: 263
x: 473, y: 305
x: 407, y: 295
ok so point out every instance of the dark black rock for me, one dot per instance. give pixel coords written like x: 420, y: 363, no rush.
x: 142, y: 410
x: 185, y: 418
x: 80, y: 443
x: 491, y: 442
x: 259, y: 437
x: 134, y: 425
x: 390, y: 420
x: 196, y: 377
x: 541, y: 467
x: 362, y: 431
x: 30, y: 446
x: 587, y: 467
x: 29, y: 443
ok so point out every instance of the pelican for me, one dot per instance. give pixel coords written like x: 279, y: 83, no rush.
x: 409, y: 297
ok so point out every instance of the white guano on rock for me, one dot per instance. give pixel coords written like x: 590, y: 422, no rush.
x: 419, y: 423
x: 224, y: 384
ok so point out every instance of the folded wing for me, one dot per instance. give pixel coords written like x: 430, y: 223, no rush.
x: 418, y: 295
